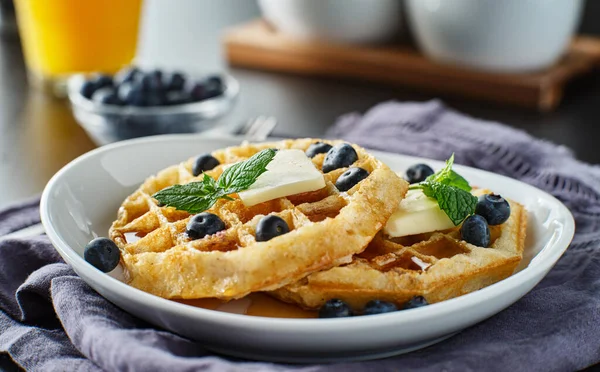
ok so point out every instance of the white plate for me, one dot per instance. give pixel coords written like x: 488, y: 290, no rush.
x: 82, y: 199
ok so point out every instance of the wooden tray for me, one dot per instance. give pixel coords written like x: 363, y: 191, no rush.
x: 256, y: 45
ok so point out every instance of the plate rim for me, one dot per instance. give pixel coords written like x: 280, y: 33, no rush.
x: 290, y: 324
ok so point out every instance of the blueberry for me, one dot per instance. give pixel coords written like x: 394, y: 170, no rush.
x: 155, y: 98
x: 106, y: 96
x: 475, y: 230
x: 204, y: 224
x: 197, y: 91
x: 269, y: 227
x: 155, y: 80
x: 339, y: 156
x: 87, y: 89
x: 174, y: 81
x: 413, y: 303
x: 212, y: 92
x: 148, y: 82
x: 157, y: 74
x: 317, y: 148
x: 335, y: 308
x: 203, y: 163
x: 126, y: 75
x: 177, y: 97
x: 418, y: 172
x: 350, y: 178
x: 379, y: 307
x: 494, y: 208
x: 215, y: 83
x: 102, y: 253
x: 102, y: 81
x: 133, y: 96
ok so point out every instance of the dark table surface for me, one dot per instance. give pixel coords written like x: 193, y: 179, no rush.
x: 38, y: 134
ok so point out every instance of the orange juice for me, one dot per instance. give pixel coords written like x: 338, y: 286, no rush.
x: 61, y: 37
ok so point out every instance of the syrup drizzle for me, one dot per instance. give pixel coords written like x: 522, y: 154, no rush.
x: 133, y: 236
x: 255, y: 304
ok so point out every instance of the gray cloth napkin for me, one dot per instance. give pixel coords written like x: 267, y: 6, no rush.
x: 50, y: 320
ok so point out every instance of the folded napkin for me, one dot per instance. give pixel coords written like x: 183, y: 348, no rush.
x: 50, y: 320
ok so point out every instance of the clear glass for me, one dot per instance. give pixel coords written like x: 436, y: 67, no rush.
x: 63, y: 37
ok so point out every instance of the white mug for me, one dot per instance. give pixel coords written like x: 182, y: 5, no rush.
x: 342, y: 21
x: 497, y: 35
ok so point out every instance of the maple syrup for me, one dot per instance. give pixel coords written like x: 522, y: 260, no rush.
x: 133, y: 236
x: 255, y: 304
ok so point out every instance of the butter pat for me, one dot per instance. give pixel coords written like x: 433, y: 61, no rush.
x: 290, y: 172
x: 417, y: 214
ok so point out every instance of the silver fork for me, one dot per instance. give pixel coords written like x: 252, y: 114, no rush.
x: 259, y: 128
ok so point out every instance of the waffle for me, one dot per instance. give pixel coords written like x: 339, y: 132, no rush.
x: 327, y: 228
x: 437, y: 266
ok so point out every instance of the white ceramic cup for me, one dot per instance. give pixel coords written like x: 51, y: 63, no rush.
x: 497, y: 35
x: 342, y: 21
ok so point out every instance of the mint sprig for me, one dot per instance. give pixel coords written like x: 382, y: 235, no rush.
x: 196, y: 197
x: 451, y: 191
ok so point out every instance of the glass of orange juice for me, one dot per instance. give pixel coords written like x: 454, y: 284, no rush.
x: 63, y: 37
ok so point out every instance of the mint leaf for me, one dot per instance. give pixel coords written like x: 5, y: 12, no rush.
x: 457, y: 203
x: 451, y: 191
x: 448, y: 176
x: 242, y: 175
x: 193, y: 197
x: 196, y: 197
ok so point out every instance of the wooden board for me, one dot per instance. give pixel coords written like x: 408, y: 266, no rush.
x: 256, y: 45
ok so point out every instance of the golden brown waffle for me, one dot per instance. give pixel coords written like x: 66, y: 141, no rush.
x: 437, y: 266
x: 327, y: 228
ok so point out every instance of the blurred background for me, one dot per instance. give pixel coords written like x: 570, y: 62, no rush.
x: 68, y: 82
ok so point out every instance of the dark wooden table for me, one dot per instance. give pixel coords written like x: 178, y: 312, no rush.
x: 38, y: 134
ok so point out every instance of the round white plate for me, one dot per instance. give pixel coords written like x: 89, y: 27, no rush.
x: 82, y: 199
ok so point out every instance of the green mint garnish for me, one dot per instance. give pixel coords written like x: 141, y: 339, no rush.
x: 451, y: 191
x: 196, y: 197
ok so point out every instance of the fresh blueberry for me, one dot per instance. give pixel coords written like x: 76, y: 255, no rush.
x: 339, y: 156
x: 475, y: 230
x: 197, y: 91
x: 413, y: 303
x: 148, y: 82
x: 350, y: 178
x: 155, y: 82
x: 155, y: 98
x: 317, y: 148
x: 106, y: 96
x: 212, y: 92
x: 418, y: 172
x: 204, y: 224
x: 87, y: 89
x: 215, y: 83
x: 102, y: 80
x: 102, y: 253
x: 379, y: 307
x: 157, y: 74
x: 126, y: 75
x: 134, y: 96
x: 494, y: 208
x: 174, y: 81
x: 203, y: 163
x: 335, y: 308
x: 269, y: 227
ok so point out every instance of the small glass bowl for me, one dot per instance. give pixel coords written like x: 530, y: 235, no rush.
x: 110, y: 123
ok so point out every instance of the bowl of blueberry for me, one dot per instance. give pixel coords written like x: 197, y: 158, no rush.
x: 136, y: 103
